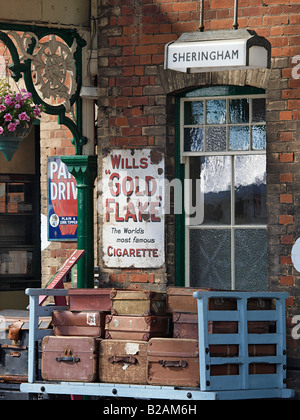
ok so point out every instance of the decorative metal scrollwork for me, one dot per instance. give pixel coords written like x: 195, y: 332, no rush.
x: 50, y: 60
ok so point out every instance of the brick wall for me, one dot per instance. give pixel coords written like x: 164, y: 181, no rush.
x: 136, y: 107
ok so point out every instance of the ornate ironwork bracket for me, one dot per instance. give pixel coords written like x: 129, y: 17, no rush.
x: 51, y: 62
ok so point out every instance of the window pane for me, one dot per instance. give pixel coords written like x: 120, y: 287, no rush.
x: 239, y: 111
x: 193, y: 139
x: 216, y: 112
x: 259, y: 110
x: 215, y: 173
x: 210, y: 258
x: 250, y: 189
x: 2, y: 198
x: 239, y: 138
x: 259, y: 137
x: 251, y: 259
x: 215, y: 139
x: 193, y: 113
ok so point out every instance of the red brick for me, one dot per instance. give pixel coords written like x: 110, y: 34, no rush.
x: 286, y: 219
x: 286, y: 177
x: 287, y: 280
x: 286, y: 157
x: 286, y: 198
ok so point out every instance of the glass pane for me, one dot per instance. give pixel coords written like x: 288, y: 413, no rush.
x: 193, y: 113
x: 259, y: 137
x: 251, y: 259
x: 239, y: 111
x: 193, y: 139
x: 210, y: 258
x: 239, y: 138
x: 215, y: 139
x: 250, y: 189
x: 216, y: 112
x: 259, y: 110
x: 2, y: 197
x: 215, y: 184
x: 16, y: 262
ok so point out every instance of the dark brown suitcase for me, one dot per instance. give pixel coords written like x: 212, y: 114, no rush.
x: 71, y: 359
x: 123, y: 361
x: 84, y: 323
x: 136, y: 327
x: 185, y: 325
x: 172, y: 361
x: 138, y: 303
x: 90, y: 300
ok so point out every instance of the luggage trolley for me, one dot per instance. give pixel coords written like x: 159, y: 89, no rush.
x: 256, y: 375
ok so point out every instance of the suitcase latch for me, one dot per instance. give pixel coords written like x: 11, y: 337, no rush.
x: 173, y: 363
x: 120, y: 359
x: 68, y: 356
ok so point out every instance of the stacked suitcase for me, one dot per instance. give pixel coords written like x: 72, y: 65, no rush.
x: 125, y: 336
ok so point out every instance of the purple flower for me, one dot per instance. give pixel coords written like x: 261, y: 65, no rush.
x: 37, y: 111
x: 1, y: 130
x: 8, y: 101
x: 12, y: 126
x: 2, y: 108
x: 23, y: 117
x: 7, y: 117
x: 17, y: 106
x: 27, y: 95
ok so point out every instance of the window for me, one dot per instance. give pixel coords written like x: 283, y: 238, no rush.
x: 223, y: 148
x: 20, y: 247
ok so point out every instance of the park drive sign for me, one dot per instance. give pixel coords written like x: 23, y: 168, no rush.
x: 220, y: 50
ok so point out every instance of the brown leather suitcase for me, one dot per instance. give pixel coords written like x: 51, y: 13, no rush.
x: 180, y: 299
x: 90, y: 300
x: 174, y: 362
x: 136, y: 327
x: 84, y: 323
x: 185, y: 325
x: 123, y: 361
x: 138, y: 303
x: 71, y: 359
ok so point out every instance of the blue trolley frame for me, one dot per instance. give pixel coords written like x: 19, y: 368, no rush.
x: 229, y: 387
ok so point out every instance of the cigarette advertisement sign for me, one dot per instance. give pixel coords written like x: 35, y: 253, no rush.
x: 62, y: 202
x: 132, y: 208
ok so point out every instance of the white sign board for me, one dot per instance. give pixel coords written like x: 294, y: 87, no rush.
x: 133, y: 208
x: 206, y: 54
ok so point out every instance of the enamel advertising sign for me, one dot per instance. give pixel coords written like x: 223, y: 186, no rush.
x: 132, y: 208
x: 62, y: 202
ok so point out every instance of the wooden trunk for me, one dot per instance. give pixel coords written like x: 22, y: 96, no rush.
x: 84, y: 323
x: 136, y: 327
x: 123, y: 361
x: 90, y: 300
x: 173, y: 362
x: 138, y: 303
x: 71, y: 359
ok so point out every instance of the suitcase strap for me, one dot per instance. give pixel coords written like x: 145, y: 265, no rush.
x: 173, y: 363
x: 123, y: 359
x: 68, y: 356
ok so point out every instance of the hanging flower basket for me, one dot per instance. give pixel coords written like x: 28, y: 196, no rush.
x: 17, y: 113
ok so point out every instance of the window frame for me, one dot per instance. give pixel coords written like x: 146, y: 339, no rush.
x: 182, y: 159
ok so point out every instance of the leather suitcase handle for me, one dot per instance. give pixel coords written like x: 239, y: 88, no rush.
x: 73, y: 359
x: 123, y: 359
x: 173, y: 363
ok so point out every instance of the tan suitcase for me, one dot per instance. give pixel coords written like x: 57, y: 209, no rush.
x: 123, y: 361
x: 138, y: 303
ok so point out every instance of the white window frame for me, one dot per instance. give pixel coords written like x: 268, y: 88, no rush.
x: 185, y: 159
